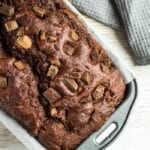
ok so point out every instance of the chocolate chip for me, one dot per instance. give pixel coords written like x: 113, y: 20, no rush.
x: 6, y: 10
x: 11, y: 25
x: 68, y: 49
x: 71, y: 84
x: 3, y: 82
x: 51, y: 95
x: 20, y: 65
x: 73, y: 35
x: 24, y: 42
x: 98, y: 92
x: 87, y: 77
x: 52, y: 71
x: 40, y: 12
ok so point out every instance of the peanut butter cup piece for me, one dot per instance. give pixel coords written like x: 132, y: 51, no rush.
x: 6, y: 9
x: 71, y: 84
x: 11, y: 25
x: 53, y: 112
x: 76, y: 74
x: 51, y: 95
x: 98, y: 93
x: 55, y: 61
x: 52, y: 71
x: 40, y: 12
x: 87, y: 77
x: 42, y: 35
x: 68, y: 49
x: 73, y: 35
x: 51, y: 38
x: 24, y: 42
x: 3, y: 82
x: 20, y: 65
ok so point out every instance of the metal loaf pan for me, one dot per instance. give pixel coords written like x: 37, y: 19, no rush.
x: 112, y: 128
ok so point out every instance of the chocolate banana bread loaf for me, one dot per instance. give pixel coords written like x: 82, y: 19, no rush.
x: 78, y: 86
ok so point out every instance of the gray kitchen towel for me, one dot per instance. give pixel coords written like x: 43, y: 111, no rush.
x: 101, y: 10
x: 131, y: 15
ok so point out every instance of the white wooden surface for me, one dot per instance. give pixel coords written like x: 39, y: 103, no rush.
x: 136, y: 135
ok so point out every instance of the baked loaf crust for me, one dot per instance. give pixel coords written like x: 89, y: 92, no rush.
x: 2, y: 52
x: 79, y: 86
x: 19, y: 94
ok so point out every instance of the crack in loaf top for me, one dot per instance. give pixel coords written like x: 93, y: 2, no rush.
x: 78, y: 83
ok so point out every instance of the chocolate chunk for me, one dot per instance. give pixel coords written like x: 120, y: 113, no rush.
x: 71, y: 84
x: 73, y: 35
x: 3, y: 82
x: 40, y: 12
x: 52, y: 71
x: 76, y: 74
x: 87, y: 77
x: 95, y: 55
x: 98, y: 92
x: 6, y: 10
x: 43, y: 67
x: 51, y: 38
x: 51, y: 95
x: 53, y: 112
x: 24, y: 42
x: 42, y: 35
x: 20, y: 65
x: 20, y: 32
x: 55, y: 61
x: 11, y: 25
x: 68, y: 49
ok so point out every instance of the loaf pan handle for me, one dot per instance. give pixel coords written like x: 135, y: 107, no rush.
x: 111, y: 129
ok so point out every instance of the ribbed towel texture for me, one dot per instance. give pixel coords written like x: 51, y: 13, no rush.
x: 133, y: 16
